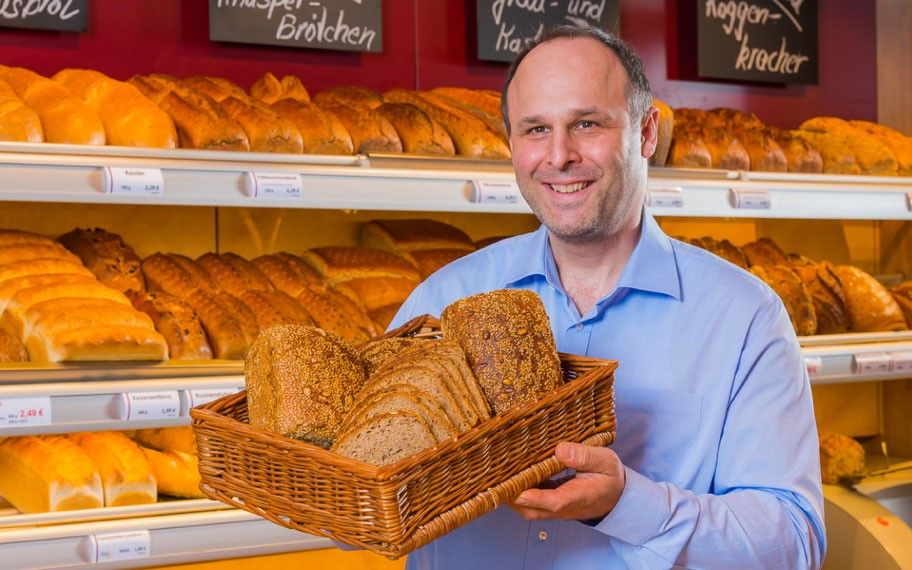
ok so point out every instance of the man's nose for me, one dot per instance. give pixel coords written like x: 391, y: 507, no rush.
x: 562, y: 150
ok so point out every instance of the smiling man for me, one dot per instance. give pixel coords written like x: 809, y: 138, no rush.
x: 715, y: 464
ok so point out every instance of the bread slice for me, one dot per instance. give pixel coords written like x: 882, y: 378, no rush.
x: 385, y: 439
x: 405, y: 399
x: 375, y: 353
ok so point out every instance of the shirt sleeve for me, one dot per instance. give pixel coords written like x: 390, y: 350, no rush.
x: 766, y: 505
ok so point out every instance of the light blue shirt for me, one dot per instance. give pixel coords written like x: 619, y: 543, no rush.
x: 715, y: 420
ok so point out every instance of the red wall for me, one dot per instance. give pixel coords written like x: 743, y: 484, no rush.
x: 170, y: 36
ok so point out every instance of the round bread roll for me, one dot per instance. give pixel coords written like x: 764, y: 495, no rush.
x: 301, y: 382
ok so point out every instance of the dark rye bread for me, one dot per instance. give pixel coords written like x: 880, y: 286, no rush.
x: 375, y: 353
x: 507, y: 339
x: 826, y: 294
x: 404, y: 398
x: 385, y: 439
x: 764, y: 252
x: 301, y: 382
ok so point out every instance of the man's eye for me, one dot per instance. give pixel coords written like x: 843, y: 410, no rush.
x: 537, y: 130
x: 587, y: 124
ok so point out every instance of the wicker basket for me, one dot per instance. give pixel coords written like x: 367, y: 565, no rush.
x: 395, y: 509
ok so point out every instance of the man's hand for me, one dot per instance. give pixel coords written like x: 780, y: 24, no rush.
x: 592, y: 493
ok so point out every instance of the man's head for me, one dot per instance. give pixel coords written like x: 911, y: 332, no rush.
x: 581, y: 133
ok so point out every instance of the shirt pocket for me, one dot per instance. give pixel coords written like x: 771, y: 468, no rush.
x: 657, y: 430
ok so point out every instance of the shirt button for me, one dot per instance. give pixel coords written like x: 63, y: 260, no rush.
x: 579, y: 327
x: 542, y: 536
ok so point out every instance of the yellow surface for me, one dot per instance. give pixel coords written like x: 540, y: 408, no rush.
x: 327, y: 559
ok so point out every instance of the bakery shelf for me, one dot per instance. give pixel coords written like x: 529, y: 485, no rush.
x: 71, y: 173
x: 168, y: 539
x: 860, y: 357
x: 10, y: 518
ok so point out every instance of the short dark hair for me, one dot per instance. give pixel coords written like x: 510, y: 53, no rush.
x: 639, y: 95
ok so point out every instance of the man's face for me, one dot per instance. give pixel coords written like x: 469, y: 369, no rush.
x: 579, y: 158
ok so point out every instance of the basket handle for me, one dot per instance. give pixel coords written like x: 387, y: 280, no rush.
x: 492, y: 498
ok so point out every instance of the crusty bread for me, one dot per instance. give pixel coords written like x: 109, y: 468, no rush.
x: 838, y: 157
x: 507, y: 339
x: 11, y: 349
x: 369, y: 130
x: 64, y: 118
x: 764, y: 251
x: 430, y: 260
x: 791, y: 289
x: 826, y: 293
x: 899, y: 144
x: 376, y: 292
x: 232, y: 273
x: 337, y: 264
x: 337, y: 313
x: 665, y: 133
x: 175, y: 274
x: 125, y: 473
x: 840, y: 456
x: 176, y: 321
x: 723, y: 248
x: 687, y: 148
x: 414, y: 234
x: 26, y: 252
x: 871, y: 307
x: 176, y: 473
x: 871, y: 155
x: 349, y: 95
x: 223, y: 327
x: 301, y: 381
x: 161, y: 439
x: 20, y: 237
x: 108, y: 256
x: 418, y: 132
x: 320, y: 132
x: 487, y: 101
x: 18, y: 121
x: 129, y: 117
x: 48, y: 473
x: 270, y: 89
x: 765, y: 153
x: 287, y: 272
x: 275, y: 308
x: 98, y: 343
x: 385, y: 439
x: 801, y: 154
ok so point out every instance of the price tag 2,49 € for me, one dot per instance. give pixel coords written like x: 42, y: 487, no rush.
x: 29, y: 411
x: 150, y: 405
x: 139, y: 180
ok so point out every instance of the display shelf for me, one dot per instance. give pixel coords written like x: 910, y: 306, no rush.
x: 148, y: 539
x: 101, y: 398
x: 76, y: 174
x: 858, y: 357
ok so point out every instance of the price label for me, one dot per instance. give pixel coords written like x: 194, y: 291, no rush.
x: 749, y: 199
x: 487, y: 192
x: 30, y: 411
x: 274, y: 185
x: 665, y: 198
x: 199, y: 397
x: 872, y: 363
x: 902, y: 361
x: 115, y: 546
x: 147, y: 181
x: 814, y: 365
x: 150, y: 405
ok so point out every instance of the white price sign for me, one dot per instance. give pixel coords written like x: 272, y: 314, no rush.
x: 872, y: 363
x: 150, y: 405
x: 199, y: 397
x: 902, y: 361
x: 665, y: 198
x: 749, y: 199
x: 814, y: 365
x: 29, y: 411
x: 274, y: 185
x: 116, y: 546
x: 488, y: 192
x: 147, y: 181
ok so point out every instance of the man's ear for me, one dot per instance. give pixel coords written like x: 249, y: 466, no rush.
x: 649, y: 132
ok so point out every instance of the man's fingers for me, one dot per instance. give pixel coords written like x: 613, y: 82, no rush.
x: 571, y: 495
x: 587, y: 459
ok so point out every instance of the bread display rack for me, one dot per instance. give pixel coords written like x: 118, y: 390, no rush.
x: 91, y: 397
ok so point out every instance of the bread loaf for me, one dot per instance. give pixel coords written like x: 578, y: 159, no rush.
x: 840, y: 456
x: 375, y: 353
x: 383, y: 316
x: 199, y: 121
x: 872, y: 156
x: 826, y: 294
x: 18, y: 122
x: 765, y: 252
x: 177, y: 322
x: 161, y: 439
x: 301, y: 381
x: 376, y: 292
x: 409, y: 235
x: 48, y: 473
x: 369, y: 130
x: 494, y: 122
x: 64, y: 118
x: 321, y: 134
x: 487, y: 101
x: 336, y: 313
x: 13, y: 318
x: 665, y: 134
x: 270, y: 89
x: 899, y: 144
x: 19, y: 237
x: 98, y: 343
x: 507, y: 339
x: 688, y: 149
x: 125, y: 473
x: 27, y: 252
x: 357, y: 97
x: 11, y: 350
x: 287, y: 272
x: 108, y: 256
x: 902, y: 294
x: 430, y: 260
x: 129, y: 117
x: 337, y: 264
x: 176, y: 473
x: 175, y: 274
x: 871, y: 307
x: 418, y: 133
x: 724, y: 249
x: 838, y: 157
x: 232, y: 273
x: 765, y: 153
x: 801, y: 155
x: 275, y: 308
x: 223, y: 327
x: 791, y: 289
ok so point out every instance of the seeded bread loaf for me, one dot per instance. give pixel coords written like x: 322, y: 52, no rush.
x: 301, y: 382
x: 509, y: 345
x: 108, y: 256
x: 375, y: 353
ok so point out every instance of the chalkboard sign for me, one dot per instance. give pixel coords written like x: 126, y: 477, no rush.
x: 506, y: 26
x: 59, y: 15
x: 758, y: 40
x: 348, y: 25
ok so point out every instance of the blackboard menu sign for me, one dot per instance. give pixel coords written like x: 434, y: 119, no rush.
x: 506, y: 26
x: 771, y: 41
x: 347, y: 25
x: 58, y: 15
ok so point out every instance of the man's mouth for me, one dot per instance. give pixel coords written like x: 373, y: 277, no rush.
x: 568, y: 188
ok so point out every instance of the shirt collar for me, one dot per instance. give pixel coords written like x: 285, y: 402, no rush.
x: 651, y: 267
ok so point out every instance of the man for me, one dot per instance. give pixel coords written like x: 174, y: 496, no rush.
x: 715, y: 463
